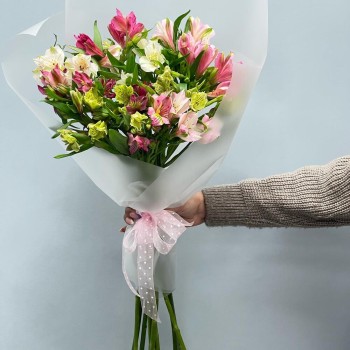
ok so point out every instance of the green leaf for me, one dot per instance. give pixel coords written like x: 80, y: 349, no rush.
x: 60, y: 156
x: 188, y: 25
x: 115, y: 62
x: 135, y: 76
x: 83, y: 148
x: 131, y: 63
x: 118, y: 141
x: 82, y: 138
x: 52, y: 94
x: 97, y: 36
x: 106, y: 147
x: 195, y: 64
x: 177, y: 25
x: 109, y: 75
x: 179, y: 60
x: 63, y: 107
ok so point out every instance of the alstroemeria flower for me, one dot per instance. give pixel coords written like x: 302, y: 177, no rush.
x: 160, y: 112
x: 137, y: 103
x: 116, y: 51
x: 123, y: 28
x: 137, y: 142
x: 187, y: 46
x: 123, y: 78
x: 220, y: 90
x: 68, y: 138
x: 97, y: 130
x: 108, y: 85
x: 55, y: 78
x: 83, y: 81
x: 212, y: 128
x: 188, y: 129
x: 210, y: 53
x: 153, y: 57
x: 138, y: 121
x: 85, y: 43
x: 82, y: 63
x: 54, y: 56
x: 165, y: 32
x: 200, y: 32
x: 225, y: 68
x: 180, y: 103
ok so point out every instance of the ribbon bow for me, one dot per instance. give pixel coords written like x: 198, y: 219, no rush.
x: 153, y: 231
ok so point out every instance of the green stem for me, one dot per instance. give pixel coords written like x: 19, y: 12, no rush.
x: 137, y: 323
x: 143, y: 332
x: 175, y: 343
x: 174, y: 322
x: 149, y: 321
x: 152, y: 343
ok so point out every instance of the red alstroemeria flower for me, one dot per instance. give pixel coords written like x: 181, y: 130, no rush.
x: 84, y: 42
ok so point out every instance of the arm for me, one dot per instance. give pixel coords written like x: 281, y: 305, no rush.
x: 312, y: 196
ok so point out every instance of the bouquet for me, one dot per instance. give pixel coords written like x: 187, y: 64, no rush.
x: 156, y: 113
x: 143, y: 98
x: 134, y: 96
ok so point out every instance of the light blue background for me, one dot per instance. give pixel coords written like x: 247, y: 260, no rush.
x: 61, y: 286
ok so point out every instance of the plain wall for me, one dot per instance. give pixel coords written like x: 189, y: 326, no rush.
x: 61, y: 285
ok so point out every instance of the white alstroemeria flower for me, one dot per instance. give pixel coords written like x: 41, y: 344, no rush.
x: 142, y: 43
x: 153, y: 56
x: 54, y: 56
x: 123, y: 78
x: 82, y: 63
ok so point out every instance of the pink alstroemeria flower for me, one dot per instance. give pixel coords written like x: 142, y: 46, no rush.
x: 180, y: 103
x: 212, y: 128
x: 165, y: 32
x: 83, y: 81
x: 123, y: 28
x: 85, y: 43
x: 188, y: 129
x: 54, y: 78
x: 160, y: 112
x: 187, y: 46
x: 210, y: 53
x: 220, y: 90
x: 200, y: 31
x: 137, y: 142
x: 115, y: 50
x: 42, y: 90
x: 225, y: 68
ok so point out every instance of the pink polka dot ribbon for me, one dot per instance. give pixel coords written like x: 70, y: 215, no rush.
x: 152, y: 232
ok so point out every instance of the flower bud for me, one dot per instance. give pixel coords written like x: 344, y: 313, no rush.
x: 77, y: 99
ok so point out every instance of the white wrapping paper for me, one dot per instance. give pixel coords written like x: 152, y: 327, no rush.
x: 126, y: 181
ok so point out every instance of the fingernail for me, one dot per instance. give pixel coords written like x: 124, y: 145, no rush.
x: 129, y: 221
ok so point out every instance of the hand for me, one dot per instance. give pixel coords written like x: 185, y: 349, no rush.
x: 192, y: 211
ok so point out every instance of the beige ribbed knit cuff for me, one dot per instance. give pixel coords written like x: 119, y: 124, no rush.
x: 224, y: 206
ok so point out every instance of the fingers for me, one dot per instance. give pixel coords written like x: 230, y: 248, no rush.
x: 130, y: 216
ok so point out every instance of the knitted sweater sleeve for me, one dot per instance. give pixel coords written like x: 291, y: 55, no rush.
x: 312, y: 196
